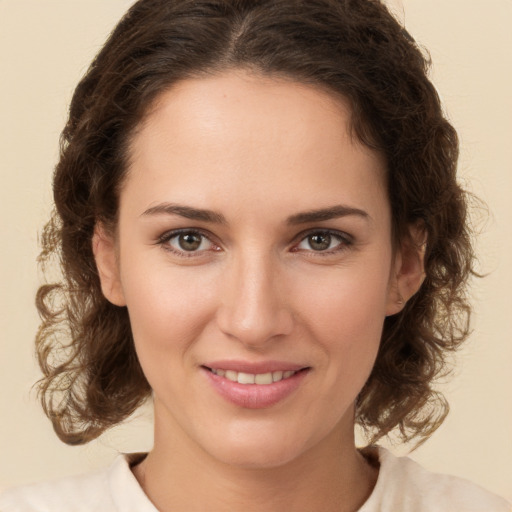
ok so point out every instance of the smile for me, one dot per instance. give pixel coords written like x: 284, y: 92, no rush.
x: 263, y: 387
x: 253, y: 378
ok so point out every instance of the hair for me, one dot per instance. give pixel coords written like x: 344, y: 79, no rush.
x: 353, y: 48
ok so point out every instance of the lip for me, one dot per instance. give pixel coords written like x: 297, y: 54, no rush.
x: 255, y: 396
x: 254, y: 367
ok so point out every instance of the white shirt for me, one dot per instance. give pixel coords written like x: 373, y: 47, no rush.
x: 402, y: 486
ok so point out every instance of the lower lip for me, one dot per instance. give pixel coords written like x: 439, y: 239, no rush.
x: 255, y: 396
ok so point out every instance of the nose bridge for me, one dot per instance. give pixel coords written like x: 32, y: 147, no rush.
x: 253, y: 308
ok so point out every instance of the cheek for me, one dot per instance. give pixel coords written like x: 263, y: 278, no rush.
x: 345, y: 316
x: 168, y: 313
x: 348, y: 303
x: 167, y: 309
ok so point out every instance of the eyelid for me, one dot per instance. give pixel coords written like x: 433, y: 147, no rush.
x: 346, y: 240
x: 168, y: 235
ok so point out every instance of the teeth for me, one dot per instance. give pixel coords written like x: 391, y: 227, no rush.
x: 277, y: 376
x: 263, y: 378
x: 231, y: 375
x: 246, y: 378
x: 251, y: 378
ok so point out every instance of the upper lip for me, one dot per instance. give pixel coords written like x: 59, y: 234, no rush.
x: 254, y: 367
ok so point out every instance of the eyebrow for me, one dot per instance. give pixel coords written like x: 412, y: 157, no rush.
x: 200, y: 214
x: 188, y: 212
x: 332, y: 212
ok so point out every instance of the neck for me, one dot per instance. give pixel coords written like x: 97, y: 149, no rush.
x: 331, y: 476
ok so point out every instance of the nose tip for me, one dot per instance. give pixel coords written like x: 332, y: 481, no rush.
x: 256, y: 334
x: 254, y: 309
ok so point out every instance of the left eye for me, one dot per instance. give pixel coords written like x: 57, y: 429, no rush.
x: 321, y: 241
x: 189, y: 241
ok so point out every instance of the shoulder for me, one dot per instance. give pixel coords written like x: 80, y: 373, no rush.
x: 403, y: 485
x: 107, y: 490
x: 85, y: 492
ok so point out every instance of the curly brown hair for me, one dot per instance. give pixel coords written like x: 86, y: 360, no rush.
x: 353, y: 48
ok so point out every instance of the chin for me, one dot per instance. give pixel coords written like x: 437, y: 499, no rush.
x: 255, y: 456
x: 260, y: 446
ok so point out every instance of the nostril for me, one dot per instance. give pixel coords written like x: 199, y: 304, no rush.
x: 253, y: 325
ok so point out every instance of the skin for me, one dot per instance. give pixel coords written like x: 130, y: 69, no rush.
x: 258, y: 152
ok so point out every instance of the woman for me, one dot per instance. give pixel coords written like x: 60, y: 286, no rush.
x: 260, y: 227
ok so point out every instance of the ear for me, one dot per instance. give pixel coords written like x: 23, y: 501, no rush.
x: 408, y: 271
x: 105, y: 255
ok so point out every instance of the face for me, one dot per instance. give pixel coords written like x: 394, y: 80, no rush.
x: 254, y: 256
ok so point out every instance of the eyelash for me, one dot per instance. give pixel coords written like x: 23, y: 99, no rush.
x: 344, y: 239
x: 167, y: 237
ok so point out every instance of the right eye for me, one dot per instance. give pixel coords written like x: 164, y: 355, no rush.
x: 187, y: 242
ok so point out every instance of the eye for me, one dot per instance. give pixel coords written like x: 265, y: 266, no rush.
x: 187, y: 241
x: 323, y: 241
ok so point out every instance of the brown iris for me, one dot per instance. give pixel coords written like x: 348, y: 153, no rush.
x: 189, y: 241
x: 319, y: 241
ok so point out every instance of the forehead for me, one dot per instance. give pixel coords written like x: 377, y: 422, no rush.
x: 259, y: 107
x: 257, y: 133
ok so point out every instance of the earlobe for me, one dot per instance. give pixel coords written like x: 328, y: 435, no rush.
x: 409, y: 269
x: 104, y: 250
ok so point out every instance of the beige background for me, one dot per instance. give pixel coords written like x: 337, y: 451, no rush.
x: 45, y: 46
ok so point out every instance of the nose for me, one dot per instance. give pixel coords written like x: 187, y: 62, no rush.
x: 254, y: 305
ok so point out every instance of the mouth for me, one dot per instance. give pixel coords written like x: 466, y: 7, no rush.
x: 255, y: 386
x: 255, y: 378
